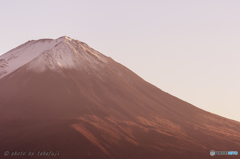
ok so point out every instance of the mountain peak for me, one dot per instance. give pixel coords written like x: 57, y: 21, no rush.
x: 63, y: 51
x: 65, y: 38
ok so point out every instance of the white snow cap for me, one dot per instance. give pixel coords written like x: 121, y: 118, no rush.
x: 64, y: 52
x: 65, y: 38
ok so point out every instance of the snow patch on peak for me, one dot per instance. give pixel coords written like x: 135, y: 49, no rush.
x: 54, y: 54
x: 43, y: 62
x: 3, y: 67
x: 64, y: 38
x: 24, y: 54
x: 67, y: 55
x: 59, y: 64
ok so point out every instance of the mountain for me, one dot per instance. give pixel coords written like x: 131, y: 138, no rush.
x: 63, y: 96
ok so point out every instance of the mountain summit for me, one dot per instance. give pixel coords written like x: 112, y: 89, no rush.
x: 62, y: 95
x: 63, y: 52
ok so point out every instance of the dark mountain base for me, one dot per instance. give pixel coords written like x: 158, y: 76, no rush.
x: 79, y: 139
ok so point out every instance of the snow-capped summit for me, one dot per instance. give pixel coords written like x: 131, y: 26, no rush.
x: 65, y: 38
x: 63, y: 52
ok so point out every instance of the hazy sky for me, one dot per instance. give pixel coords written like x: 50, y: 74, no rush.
x: 187, y: 48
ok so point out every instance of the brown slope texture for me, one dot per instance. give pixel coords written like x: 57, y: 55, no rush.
x: 103, y: 113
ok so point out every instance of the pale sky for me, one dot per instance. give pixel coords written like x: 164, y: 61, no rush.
x: 187, y: 48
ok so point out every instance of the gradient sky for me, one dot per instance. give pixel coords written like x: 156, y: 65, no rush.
x: 187, y: 48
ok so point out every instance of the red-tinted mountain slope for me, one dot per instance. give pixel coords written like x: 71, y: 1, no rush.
x: 73, y: 99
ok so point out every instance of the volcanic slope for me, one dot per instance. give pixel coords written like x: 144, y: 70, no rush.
x: 62, y: 95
